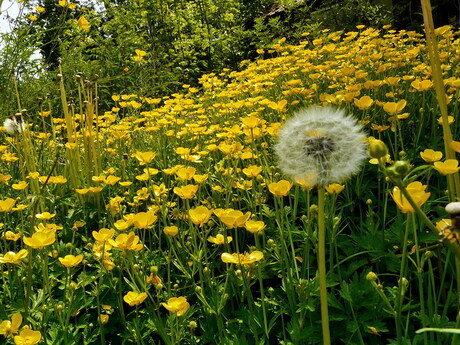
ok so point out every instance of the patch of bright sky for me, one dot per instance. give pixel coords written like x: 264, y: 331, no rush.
x: 9, y: 9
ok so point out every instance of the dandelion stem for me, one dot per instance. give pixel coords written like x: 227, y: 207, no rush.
x: 322, y: 267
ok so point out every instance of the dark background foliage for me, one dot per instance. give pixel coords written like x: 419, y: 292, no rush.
x: 183, y: 39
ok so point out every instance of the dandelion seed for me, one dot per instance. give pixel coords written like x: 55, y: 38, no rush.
x: 319, y: 146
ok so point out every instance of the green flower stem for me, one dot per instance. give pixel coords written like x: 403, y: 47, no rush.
x: 419, y: 277
x: 401, y: 288
x: 98, y: 301
x: 136, y: 327
x: 285, y: 271
x: 454, y: 247
x: 322, y: 268
x: 262, y: 294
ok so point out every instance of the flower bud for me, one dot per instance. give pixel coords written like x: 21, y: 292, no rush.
x: 192, y: 325
x: 377, y: 149
x: 271, y: 243
x: 314, y: 209
x: 371, y: 276
x: 401, y: 168
x: 238, y: 273
x: 103, y: 319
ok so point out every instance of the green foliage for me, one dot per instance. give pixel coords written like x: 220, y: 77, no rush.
x: 387, y: 276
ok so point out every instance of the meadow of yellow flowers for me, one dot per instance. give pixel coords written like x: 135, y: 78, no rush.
x: 167, y: 220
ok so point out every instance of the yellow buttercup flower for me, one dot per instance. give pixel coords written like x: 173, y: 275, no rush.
x: 422, y: 85
x: 5, y: 178
x: 127, y: 241
x: 394, y: 108
x: 178, y: 305
x: 200, y: 178
x: 144, y: 157
x: 185, y: 173
x: 104, y: 319
x: 450, y: 120
x: 252, y: 121
x: 134, y: 298
x: 364, y: 102
x: 219, y: 239
x: 144, y: 220
x: 41, y: 239
x: 171, y: 230
x: 45, y: 216
x: 20, y: 185
x: 429, y: 155
x: 71, y: 260
x: 449, y: 166
x: 280, y: 188
x: 232, y: 218
x: 335, y: 188
x: 140, y: 52
x: 443, y: 223
x: 416, y: 190
x: 13, y: 258
x: 27, y: 337
x: 111, y: 180
x: 123, y: 224
x: 8, y: 328
x: 103, y: 235
x: 254, y: 226
x: 52, y: 179
x: 11, y: 236
x: 252, y: 171
x: 455, y: 145
x: 242, y: 259
x: 199, y: 215
x: 186, y: 192
x: 7, y: 204
x: 83, y: 23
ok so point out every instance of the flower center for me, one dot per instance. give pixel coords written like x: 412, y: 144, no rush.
x: 319, y: 147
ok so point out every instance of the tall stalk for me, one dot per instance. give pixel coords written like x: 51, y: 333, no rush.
x: 322, y: 268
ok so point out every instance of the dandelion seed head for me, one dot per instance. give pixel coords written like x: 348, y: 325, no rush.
x: 14, y: 124
x: 320, y: 145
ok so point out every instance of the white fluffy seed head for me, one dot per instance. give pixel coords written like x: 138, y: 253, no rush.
x: 453, y: 208
x: 320, y: 145
x: 13, y: 126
